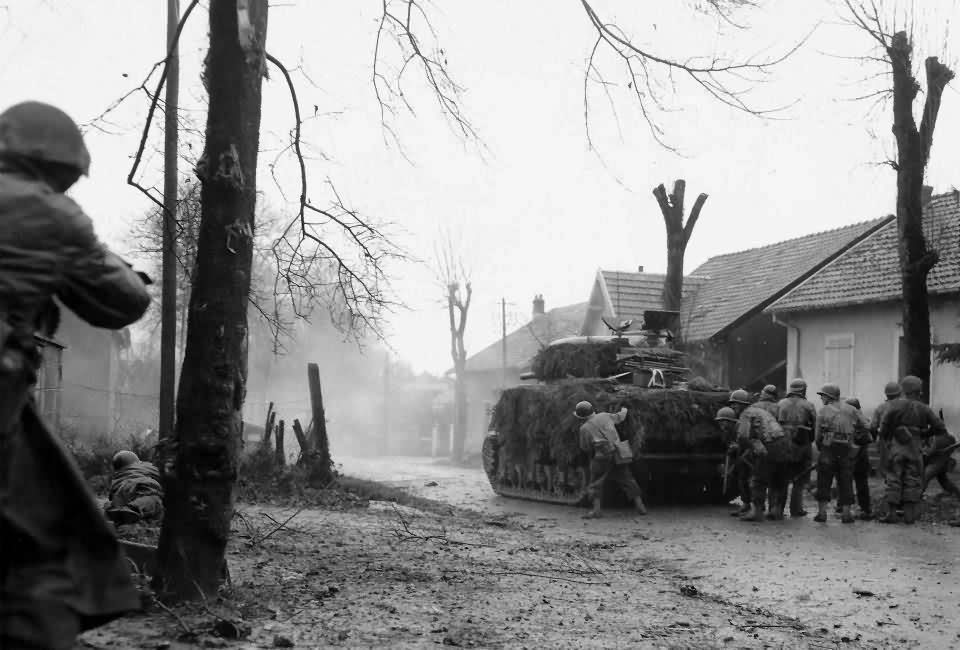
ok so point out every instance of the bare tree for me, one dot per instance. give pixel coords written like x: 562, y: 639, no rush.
x: 454, y: 277
x: 678, y: 236
x: 651, y: 76
x: 913, y: 152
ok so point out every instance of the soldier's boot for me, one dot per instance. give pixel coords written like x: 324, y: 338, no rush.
x: 594, y: 509
x: 909, y: 513
x: 890, y: 516
x: 821, y: 512
x: 775, y: 512
x: 845, y: 515
x: 755, y: 513
x: 638, y: 504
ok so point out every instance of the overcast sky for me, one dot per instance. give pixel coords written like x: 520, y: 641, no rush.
x: 536, y: 209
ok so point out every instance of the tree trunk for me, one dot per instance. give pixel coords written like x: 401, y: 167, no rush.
x: 459, y: 414
x: 678, y: 236
x: 199, y: 483
x: 913, y: 152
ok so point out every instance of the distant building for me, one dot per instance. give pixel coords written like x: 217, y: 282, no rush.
x: 843, y: 323
x: 486, y: 373
x: 89, y: 391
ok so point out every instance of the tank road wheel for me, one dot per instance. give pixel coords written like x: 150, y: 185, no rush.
x: 491, y: 447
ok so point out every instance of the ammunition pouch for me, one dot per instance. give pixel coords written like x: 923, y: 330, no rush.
x: 903, y: 435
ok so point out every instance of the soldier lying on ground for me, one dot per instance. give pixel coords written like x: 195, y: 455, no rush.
x: 135, y: 492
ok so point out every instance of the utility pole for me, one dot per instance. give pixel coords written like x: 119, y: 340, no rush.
x: 386, y: 403
x: 503, y: 350
x: 168, y: 301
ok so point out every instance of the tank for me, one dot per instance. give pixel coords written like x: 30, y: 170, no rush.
x: 532, y: 450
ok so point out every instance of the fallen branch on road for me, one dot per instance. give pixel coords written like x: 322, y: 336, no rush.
x: 407, y: 535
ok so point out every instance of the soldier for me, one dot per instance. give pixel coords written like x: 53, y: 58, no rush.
x: 727, y: 420
x: 833, y: 436
x: 598, y: 436
x: 862, y: 438
x: 907, y: 421
x: 890, y: 392
x: 798, y: 417
x: 135, y: 492
x: 768, y: 401
x: 61, y: 567
x: 937, y: 463
x: 770, y: 453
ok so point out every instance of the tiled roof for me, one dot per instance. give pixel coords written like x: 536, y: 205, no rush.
x: 738, y: 284
x: 524, y: 342
x: 870, y: 271
x: 633, y: 293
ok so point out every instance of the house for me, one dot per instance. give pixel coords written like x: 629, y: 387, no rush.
x: 500, y: 364
x: 725, y: 329
x: 89, y: 393
x: 46, y: 392
x: 843, y: 323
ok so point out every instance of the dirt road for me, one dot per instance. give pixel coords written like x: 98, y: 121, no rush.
x: 881, y: 585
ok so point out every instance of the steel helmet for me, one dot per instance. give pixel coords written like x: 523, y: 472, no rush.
x: 583, y: 410
x: 770, y: 390
x: 892, y: 389
x: 124, y: 458
x: 740, y: 396
x: 911, y: 385
x: 797, y: 387
x: 830, y: 390
x: 854, y: 402
x: 726, y: 414
x: 43, y: 132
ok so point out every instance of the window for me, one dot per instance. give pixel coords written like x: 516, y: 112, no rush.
x: 838, y: 362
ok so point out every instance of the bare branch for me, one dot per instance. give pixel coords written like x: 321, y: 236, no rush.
x: 309, y: 267
x: 153, y: 107
x: 718, y: 78
x: 398, y: 26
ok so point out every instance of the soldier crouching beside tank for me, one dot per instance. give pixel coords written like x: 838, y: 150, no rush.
x: 836, y: 423
x: 798, y: 418
x: 599, y: 437
x: 770, y: 453
x: 738, y: 453
x: 905, y: 424
x: 61, y: 567
x: 135, y: 493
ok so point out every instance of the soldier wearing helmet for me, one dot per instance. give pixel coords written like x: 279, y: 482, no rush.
x: 905, y: 424
x: 861, y: 460
x: 760, y: 432
x: 833, y: 435
x: 768, y: 400
x: 890, y: 392
x: 135, y: 491
x: 798, y: 417
x: 64, y: 571
x: 599, y: 439
x: 728, y: 421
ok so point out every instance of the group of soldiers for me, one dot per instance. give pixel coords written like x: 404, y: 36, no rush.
x: 772, y: 451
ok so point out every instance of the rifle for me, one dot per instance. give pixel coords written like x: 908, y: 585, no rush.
x: 944, y: 451
x: 804, y: 472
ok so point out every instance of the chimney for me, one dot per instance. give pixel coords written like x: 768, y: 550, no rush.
x: 925, y: 195
x: 538, y: 305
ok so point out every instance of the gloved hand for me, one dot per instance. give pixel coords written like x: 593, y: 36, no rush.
x: 733, y: 449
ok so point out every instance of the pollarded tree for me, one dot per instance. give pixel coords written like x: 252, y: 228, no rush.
x: 914, y: 143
